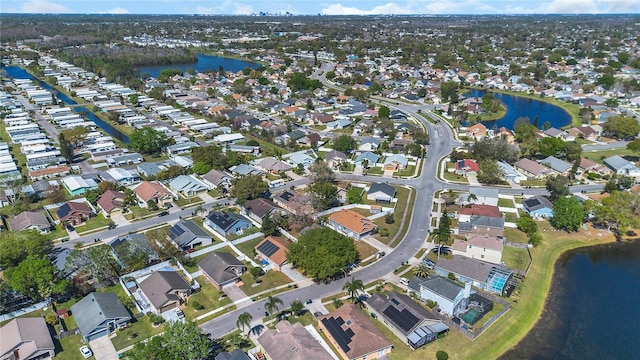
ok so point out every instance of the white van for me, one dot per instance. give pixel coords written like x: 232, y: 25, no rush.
x: 404, y: 281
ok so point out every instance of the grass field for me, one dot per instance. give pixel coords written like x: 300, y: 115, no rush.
x: 365, y: 250
x: 270, y: 280
x: 598, y: 156
x: 208, y: 296
x: 505, y: 203
x: 515, y: 258
x: 138, y: 330
x: 402, y: 194
x: 515, y: 235
x: 511, y: 217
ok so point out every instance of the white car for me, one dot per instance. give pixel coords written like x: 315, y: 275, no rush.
x: 179, y: 314
x: 86, y: 352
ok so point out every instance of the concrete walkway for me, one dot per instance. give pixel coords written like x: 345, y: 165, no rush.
x: 376, y: 244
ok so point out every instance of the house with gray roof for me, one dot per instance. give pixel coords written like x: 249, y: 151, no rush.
x: 188, y: 186
x: 216, y: 178
x: 532, y: 169
x: 148, y: 170
x: 221, y: 268
x: 371, y: 159
x: 187, y: 235
x: 484, y: 196
x: 553, y: 132
x: 30, y: 220
x: 99, y: 314
x: 509, y: 173
x: 301, y: 157
x: 26, y: 338
x: 244, y: 170
x: 369, y: 144
x: 334, y: 158
x: 451, y: 297
x: 381, y: 192
x: 258, y: 209
x: 538, y: 206
x: 164, y: 290
x: 408, y: 320
x: 395, y: 162
x: 482, y: 225
x: 622, y: 166
x: 481, y: 274
x: 236, y: 354
x: 227, y: 223
x: 556, y: 164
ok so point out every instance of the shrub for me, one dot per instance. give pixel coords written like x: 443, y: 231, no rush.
x: 196, y: 305
x: 431, y: 304
x: 389, y: 219
x: 451, y: 276
x: 384, y: 232
x: 441, y: 355
x: 51, y: 318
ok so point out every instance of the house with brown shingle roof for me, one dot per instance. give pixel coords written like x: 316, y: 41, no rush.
x: 30, y: 220
x: 152, y: 190
x: 111, y: 202
x: 482, y: 247
x: 74, y: 213
x: 273, y: 250
x: 258, y: 209
x: 291, y: 342
x: 351, y: 224
x: 164, y: 290
x: 26, y: 339
x: 221, y: 268
x: 532, y: 169
x: 273, y: 165
x: 353, y: 334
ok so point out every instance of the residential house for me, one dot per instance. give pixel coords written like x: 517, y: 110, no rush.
x: 310, y: 140
x: 74, y: 213
x: 477, y: 131
x: 557, y: 165
x: 188, y: 186
x: 244, y: 170
x: 273, y: 165
x: 351, y: 224
x: 406, y: 319
x: 152, y: 191
x: 26, y: 338
x: 134, y: 246
x: 367, y: 159
x: 532, y: 169
x: 120, y: 176
x: 483, y: 225
x: 291, y: 342
x: 187, y: 235
x: 335, y: 158
x: 584, y: 132
x: 353, y: 334
x: 148, y: 170
x: 369, y: 144
x: 381, y: 192
x: 216, y: 178
x: 78, y: 185
x: 164, y: 290
x: 395, y: 162
x: 481, y: 247
x: 272, y: 250
x: 484, y: 275
x: 301, y: 158
x: 221, y: 268
x: 483, y: 196
x: 258, y: 209
x: 538, y: 206
x: 587, y: 165
x: 99, y: 314
x: 466, y: 166
x: 236, y: 354
x: 452, y: 298
x: 227, y: 223
x: 111, y: 202
x: 621, y: 166
x: 509, y: 173
x: 556, y: 133
x: 338, y: 124
x: 399, y: 145
x: 466, y: 213
x: 30, y: 220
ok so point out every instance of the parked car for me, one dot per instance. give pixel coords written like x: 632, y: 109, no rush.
x: 163, y: 213
x: 86, y: 352
x: 429, y: 263
x: 309, y: 301
x: 70, y: 228
x: 112, y: 226
x: 179, y: 313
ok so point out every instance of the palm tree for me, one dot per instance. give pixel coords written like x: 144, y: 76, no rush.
x: 272, y: 304
x: 244, y: 319
x: 472, y: 198
x: 199, y: 209
x: 421, y: 271
x: 352, y: 288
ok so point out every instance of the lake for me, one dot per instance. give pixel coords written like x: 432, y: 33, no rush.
x: 17, y: 72
x: 593, y: 308
x: 518, y: 106
x: 205, y: 63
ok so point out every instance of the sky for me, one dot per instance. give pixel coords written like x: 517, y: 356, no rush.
x: 325, y: 7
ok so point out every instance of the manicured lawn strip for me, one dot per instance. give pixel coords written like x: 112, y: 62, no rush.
x: 496, y: 309
x: 598, y: 156
x: 69, y: 347
x: 226, y: 343
x: 406, y: 213
x: 505, y: 203
x: 453, y: 177
x: 516, y: 323
x: 515, y: 235
x: 248, y: 247
x: 141, y: 329
x: 192, y: 201
x: 511, y: 217
x: 361, y: 211
x: 215, y: 315
x: 92, y: 224
x: 270, y: 280
x: 138, y: 213
x: 365, y: 250
x: 374, y: 170
x: 420, y: 252
x: 207, y: 296
x: 534, y: 183
x: 409, y: 171
x: 515, y: 258
x: 401, y: 193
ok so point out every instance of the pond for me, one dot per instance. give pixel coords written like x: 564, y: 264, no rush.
x: 205, y: 63
x: 593, y: 308
x: 519, y: 106
x: 17, y: 72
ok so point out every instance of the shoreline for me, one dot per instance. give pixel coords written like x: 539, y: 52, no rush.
x: 567, y: 107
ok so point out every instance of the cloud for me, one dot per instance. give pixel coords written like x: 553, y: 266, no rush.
x: 625, y: 6
x: 43, y: 6
x: 227, y: 7
x: 386, y: 9
x: 117, y: 10
x: 415, y: 7
x: 569, y: 7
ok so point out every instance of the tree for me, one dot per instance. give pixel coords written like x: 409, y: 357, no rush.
x: 384, y: 112
x: 256, y: 272
x: 557, y: 186
x: 66, y: 148
x: 619, y: 210
x: 472, y: 198
x: 495, y: 149
x: 272, y: 303
x: 352, y: 288
x: 612, y: 102
x: 443, y: 233
x: 297, y: 307
x: 568, y: 214
x: 324, y: 195
x: 442, y: 355
x: 248, y: 188
x: 34, y: 277
x: 449, y: 91
x: 201, y: 168
x: 269, y: 226
x: 621, y: 127
x: 320, y: 172
x: 354, y: 195
x: 97, y: 261
x: 526, y: 224
x: 322, y: 253
x: 525, y: 135
x: 634, y: 145
x: 421, y: 271
x: 181, y: 340
x: 345, y: 144
x: 148, y: 140
x: 550, y: 146
x: 489, y: 172
x: 244, y: 319
x: 17, y: 246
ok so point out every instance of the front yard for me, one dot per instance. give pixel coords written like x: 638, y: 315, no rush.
x: 93, y: 224
x: 364, y: 250
x: 208, y: 297
x: 270, y: 280
x: 141, y: 329
x: 137, y: 212
x: 402, y: 194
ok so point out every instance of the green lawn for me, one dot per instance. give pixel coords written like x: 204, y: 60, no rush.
x: 141, y: 329
x: 266, y: 148
x: 505, y: 203
x: 192, y: 201
x: 453, y: 177
x: 534, y: 183
x: 137, y: 212
x: 409, y: 171
x: 515, y: 235
x: 598, y: 156
x: 68, y: 348
x: 208, y: 296
x: 347, y: 167
x: 420, y: 253
x: 270, y: 280
x: 374, y: 170
x: 401, y: 194
x: 516, y: 258
x: 511, y: 217
x: 57, y: 233
x: 365, y: 250
x: 248, y: 247
x: 92, y: 224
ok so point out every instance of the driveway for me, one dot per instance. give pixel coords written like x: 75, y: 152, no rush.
x: 236, y: 295
x: 119, y: 220
x: 103, y: 349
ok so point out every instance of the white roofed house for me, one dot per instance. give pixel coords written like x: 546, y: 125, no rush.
x: 187, y: 186
x: 621, y: 166
x: 481, y: 247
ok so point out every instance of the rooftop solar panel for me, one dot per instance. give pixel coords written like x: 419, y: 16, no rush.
x: 342, y: 337
x: 268, y: 248
x: 404, y: 319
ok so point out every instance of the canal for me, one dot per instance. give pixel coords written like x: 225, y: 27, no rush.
x: 17, y: 72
